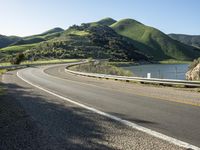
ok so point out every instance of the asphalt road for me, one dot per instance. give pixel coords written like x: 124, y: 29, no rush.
x: 177, y: 120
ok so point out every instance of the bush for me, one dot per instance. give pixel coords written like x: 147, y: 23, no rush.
x: 17, y: 59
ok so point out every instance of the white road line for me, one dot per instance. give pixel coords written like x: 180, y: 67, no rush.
x: 125, y: 122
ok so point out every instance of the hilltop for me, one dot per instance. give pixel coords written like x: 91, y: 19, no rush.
x: 153, y: 42
x: 106, y: 21
x: 193, y: 40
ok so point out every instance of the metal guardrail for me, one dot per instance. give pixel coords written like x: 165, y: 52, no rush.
x: 136, y: 79
x: 13, y: 66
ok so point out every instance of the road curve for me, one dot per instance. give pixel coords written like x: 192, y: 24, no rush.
x: 174, y: 119
x: 177, y: 120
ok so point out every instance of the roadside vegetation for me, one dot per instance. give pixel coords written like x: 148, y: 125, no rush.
x: 101, y: 68
x: 2, y: 71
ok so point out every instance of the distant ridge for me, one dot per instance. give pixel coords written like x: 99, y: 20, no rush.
x: 193, y: 40
x: 47, y: 35
x: 7, y: 40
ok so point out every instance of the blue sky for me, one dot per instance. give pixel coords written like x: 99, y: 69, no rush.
x: 26, y: 17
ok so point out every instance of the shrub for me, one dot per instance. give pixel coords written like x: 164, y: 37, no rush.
x: 17, y: 59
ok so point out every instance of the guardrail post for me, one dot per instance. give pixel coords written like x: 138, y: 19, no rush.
x: 148, y: 75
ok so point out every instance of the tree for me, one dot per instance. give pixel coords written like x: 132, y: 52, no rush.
x: 17, y: 59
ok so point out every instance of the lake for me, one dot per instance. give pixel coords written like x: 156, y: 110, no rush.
x: 162, y: 71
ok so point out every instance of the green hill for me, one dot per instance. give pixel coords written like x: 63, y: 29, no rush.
x: 193, y: 40
x: 124, y: 40
x: 154, y: 42
x: 7, y: 40
x: 54, y: 30
x: 87, y: 40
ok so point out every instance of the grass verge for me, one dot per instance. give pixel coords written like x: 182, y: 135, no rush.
x: 2, y: 71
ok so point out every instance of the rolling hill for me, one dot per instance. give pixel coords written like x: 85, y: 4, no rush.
x: 153, y: 42
x: 7, y: 40
x: 88, y: 40
x: 193, y: 40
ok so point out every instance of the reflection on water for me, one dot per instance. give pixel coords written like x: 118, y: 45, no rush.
x: 163, y: 71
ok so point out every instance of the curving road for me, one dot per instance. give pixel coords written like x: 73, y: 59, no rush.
x: 177, y: 120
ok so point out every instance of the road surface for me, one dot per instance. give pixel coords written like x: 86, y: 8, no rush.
x: 177, y: 120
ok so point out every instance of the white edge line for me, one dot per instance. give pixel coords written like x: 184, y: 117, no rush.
x: 125, y: 122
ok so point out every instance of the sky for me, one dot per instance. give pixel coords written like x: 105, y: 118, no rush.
x: 28, y: 17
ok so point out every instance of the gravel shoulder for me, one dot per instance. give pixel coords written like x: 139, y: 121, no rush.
x: 32, y: 119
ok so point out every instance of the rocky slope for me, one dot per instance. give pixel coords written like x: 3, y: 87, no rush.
x: 194, y: 73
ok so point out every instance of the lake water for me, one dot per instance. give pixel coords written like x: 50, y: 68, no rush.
x: 162, y: 71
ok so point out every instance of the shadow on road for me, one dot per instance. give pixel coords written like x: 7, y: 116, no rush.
x: 30, y: 121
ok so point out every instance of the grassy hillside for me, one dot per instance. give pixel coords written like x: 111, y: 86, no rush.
x: 153, y: 42
x: 124, y: 40
x: 7, y: 52
x: 87, y: 40
x: 7, y: 40
x: 193, y: 40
